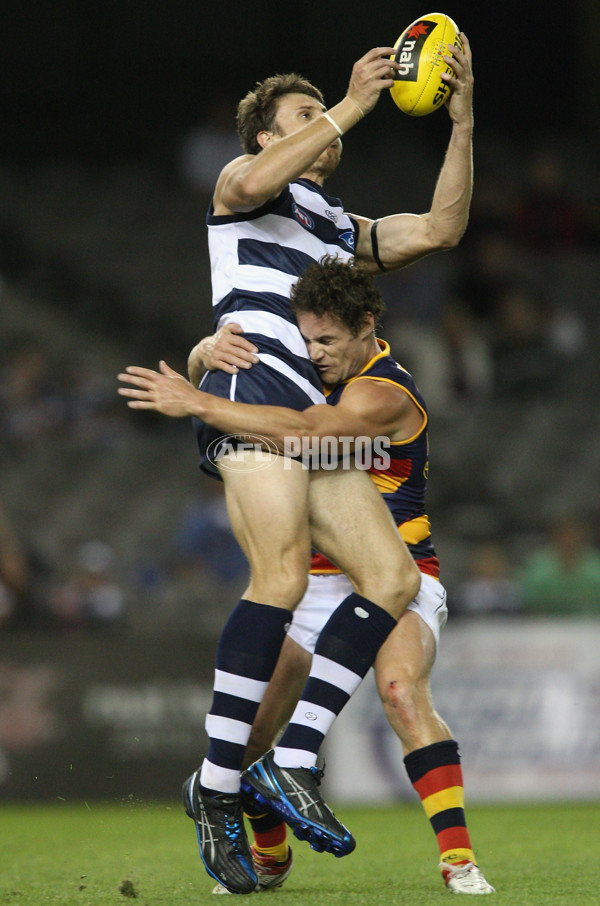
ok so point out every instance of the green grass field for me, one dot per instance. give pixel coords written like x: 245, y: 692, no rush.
x: 80, y: 854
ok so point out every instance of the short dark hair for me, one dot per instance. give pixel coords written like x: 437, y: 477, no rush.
x: 258, y: 110
x: 342, y: 289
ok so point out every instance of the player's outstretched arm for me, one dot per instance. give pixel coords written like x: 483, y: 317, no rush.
x: 401, y: 239
x: 251, y: 180
x: 369, y: 408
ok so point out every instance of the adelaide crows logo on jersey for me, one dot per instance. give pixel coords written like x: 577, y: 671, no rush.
x: 302, y: 217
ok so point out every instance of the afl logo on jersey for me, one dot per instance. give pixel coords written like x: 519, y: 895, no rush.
x: 348, y: 239
x: 302, y: 217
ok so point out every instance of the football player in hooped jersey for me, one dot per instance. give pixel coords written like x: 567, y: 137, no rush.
x: 369, y: 396
x: 269, y: 220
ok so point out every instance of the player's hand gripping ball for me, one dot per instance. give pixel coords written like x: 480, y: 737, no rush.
x: 418, y: 88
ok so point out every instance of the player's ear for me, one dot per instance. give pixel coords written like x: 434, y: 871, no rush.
x: 264, y: 138
x: 368, y: 325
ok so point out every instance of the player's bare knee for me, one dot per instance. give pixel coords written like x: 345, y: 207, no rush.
x: 397, y: 587
x: 409, y: 583
x: 282, y: 586
x: 292, y: 584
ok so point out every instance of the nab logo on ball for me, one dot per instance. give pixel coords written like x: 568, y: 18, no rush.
x: 409, y: 50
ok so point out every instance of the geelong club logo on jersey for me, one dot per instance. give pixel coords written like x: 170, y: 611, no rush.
x: 409, y: 50
x: 348, y: 239
x: 303, y: 217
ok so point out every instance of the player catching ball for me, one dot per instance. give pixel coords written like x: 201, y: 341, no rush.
x: 269, y: 220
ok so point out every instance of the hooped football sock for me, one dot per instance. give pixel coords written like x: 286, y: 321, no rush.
x: 246, y: 656
x: 345, y: 650
x: 270, y: 836
x: 436, y: 775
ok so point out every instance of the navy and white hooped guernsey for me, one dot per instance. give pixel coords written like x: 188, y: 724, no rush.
x: 255, y: 260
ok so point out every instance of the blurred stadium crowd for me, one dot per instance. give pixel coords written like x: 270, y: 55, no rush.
x: 105, y: 520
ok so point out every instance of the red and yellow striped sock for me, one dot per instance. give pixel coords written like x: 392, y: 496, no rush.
x: 436, y: 775
x: 270, y: 835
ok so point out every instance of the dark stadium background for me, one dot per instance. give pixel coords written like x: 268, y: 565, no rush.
x: 120, y: 78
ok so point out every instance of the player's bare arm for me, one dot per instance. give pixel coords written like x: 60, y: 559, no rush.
x: 251, y: 180
x: 404, y: 238
x: 227, y: 350
x: 368, y: 408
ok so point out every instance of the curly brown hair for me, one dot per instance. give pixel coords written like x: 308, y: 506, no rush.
x: 338, y: 288
x: 258, y: 110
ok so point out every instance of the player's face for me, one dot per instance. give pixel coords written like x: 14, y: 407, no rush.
x: 294, y: 111
x: 334, y: 351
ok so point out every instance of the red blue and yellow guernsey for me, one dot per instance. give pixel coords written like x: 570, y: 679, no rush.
x: 404, y: 482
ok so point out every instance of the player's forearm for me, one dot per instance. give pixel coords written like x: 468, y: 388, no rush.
x: 449, y: 214
x: 284, y: 161
x: 196, y: 367
x: 279, y: 424
x: 404, y: 238
x: 272, y: 422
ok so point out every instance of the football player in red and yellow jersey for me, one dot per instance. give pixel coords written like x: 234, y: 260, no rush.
x: 379, y: 418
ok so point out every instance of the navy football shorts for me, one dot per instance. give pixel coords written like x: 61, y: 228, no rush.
x: 260, y: 385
